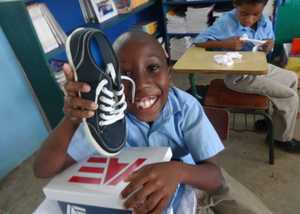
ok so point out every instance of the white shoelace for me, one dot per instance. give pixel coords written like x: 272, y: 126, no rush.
x: 112, y: 106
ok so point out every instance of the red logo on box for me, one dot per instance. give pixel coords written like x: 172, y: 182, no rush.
x: 114, y: 174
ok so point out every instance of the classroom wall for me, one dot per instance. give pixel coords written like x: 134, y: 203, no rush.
x: 22, y: 127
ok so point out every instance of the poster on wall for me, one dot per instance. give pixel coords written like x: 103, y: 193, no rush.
x: 104, y: 9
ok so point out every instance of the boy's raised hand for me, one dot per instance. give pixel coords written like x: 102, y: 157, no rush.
x: 151, y: 187
x: 233, y: 43
x: 75, y: 108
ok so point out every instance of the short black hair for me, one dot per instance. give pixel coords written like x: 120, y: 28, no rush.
x: 242, y: 2
x: 134, y: 35
x: 137, y: 36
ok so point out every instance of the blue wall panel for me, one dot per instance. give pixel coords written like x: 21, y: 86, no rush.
x: 22, y: 128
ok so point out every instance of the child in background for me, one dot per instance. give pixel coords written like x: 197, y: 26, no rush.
x: 279, y: 85
x: 159, y: 115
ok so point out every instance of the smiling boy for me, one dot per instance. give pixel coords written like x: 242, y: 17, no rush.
x: 158, y: 115
x: 164, y: 116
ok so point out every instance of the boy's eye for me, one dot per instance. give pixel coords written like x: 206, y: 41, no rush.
x: 153, y: 68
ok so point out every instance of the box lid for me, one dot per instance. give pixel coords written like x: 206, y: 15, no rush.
x: 98, y: 180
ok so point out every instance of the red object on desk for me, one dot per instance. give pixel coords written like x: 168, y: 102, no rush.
x: 295, y: 49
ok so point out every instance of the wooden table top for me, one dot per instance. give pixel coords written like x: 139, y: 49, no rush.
x: 197, y: 60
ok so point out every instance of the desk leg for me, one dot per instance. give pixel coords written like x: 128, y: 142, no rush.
x: 193, y: 83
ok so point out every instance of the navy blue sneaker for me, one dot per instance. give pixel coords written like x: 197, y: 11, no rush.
x: 106, y: 130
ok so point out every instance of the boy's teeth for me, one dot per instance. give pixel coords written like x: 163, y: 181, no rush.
x: 146, y: 102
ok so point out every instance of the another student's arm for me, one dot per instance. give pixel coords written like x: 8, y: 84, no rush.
x: 233, y: 43
x: 52, y: 156
x: 268, y: 36
x: 219, y: 35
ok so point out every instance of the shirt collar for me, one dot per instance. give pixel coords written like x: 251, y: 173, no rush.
x: 172, y: 106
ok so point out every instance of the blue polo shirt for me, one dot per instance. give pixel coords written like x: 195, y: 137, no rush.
x: 182, y: 125
x: 228, y: 26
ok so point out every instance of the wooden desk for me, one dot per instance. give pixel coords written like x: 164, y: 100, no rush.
x: 197, y: 60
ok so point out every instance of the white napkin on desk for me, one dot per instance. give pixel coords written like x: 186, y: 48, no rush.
x: 227, y: 58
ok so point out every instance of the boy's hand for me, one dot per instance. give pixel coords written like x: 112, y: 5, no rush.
x: 233, y: 43
x: 76, y: 108
x: 151, y: 187
x: 268, y: 46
